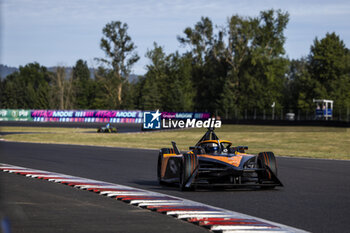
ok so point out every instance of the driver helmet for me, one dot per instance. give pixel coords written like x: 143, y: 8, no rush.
x: 212, y: 148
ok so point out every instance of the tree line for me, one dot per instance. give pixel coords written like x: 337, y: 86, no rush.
x: 225, y: 69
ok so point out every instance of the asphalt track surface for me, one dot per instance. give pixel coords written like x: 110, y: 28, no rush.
x: 39, y: 206
x: 315, y: 197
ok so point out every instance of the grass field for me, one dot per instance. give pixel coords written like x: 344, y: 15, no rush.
x: 313, y: 142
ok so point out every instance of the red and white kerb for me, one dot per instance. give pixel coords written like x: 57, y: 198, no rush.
x: 212, y: 218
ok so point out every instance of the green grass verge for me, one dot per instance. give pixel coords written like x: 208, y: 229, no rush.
x: 313, y: 142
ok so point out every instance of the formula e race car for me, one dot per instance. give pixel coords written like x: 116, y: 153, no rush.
x: 107, y: 129
x: 214, y: 162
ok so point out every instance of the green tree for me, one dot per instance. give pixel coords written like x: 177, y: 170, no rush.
x: 167, y: 85
x: 120, y: 57
x: 129, y: 95
x: 82, y: 85
x: 207, y: 70
x: 200, y: 39
x: 27, y: 88
x: 149, y: 97
x: 178, y: 95
x: 328, y: 59
x: 329, y: 72
x: 253, y: 51
x: 242, y: 65
x: 236, y: 39
x: 153, y: 85
x: 62, y: 96
x: 106, y: 96
x: 267, y: 56
x: 296, y: 74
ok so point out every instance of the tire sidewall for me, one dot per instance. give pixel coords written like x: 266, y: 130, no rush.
x: 185, y: 172
x: 268, y: 159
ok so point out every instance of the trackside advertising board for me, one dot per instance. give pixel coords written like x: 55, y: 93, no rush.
x: 101, y: 116
x: 15, y: 115
x: 112, y: 116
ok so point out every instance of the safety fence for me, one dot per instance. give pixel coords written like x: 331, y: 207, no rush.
x: 282, y: 114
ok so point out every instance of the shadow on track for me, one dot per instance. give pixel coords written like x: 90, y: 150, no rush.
x: 153, y: 184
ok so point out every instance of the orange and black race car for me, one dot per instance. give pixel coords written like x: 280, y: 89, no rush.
x: 215, y: 162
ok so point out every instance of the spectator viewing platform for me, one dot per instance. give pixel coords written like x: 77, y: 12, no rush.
x: 324, y: 109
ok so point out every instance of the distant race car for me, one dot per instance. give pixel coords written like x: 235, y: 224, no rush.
x: 107, y: 129
x: 214, y: 162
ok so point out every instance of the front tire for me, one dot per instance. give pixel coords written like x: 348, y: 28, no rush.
x: 188, y: 166
x: 268, y: 159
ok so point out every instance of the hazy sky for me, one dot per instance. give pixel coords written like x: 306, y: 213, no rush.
x: 62, y: 31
